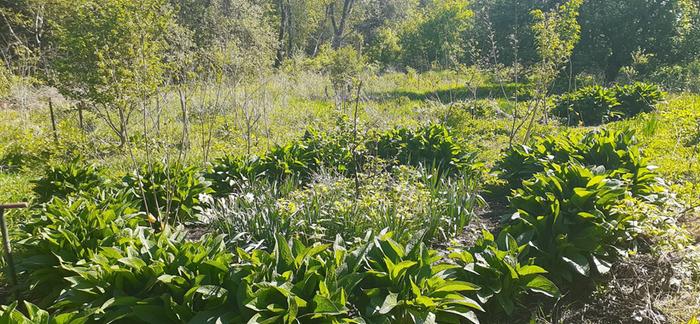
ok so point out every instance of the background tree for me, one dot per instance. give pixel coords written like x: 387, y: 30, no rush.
x: 435, y: 35
x: 505, y: 20
x: 612, y: 30
x: 110, y: 55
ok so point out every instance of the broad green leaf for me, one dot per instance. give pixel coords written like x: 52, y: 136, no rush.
x: 452, y: 286
x: 543, y: 285
x: 390, y: 301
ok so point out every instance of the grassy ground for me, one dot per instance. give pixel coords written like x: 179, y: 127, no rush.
x: 287, y: 104
x: 671, y: 139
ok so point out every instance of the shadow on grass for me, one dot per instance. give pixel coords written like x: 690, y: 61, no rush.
x: 493, y: 91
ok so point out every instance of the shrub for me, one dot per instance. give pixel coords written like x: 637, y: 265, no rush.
x: 638, y: 98
x: 65, y: 232
x: 155, y: 278
x: 505, y: 283
x: 522, y: 162
x: 589, y: 106
x: 296, y: 160
x: 429, y: 146
x: 595, y: 105
x: 227, y: 172
x: 566, y: 218
x: 9, y: 314
x: 296, y: 283
x: 169, y: 192
x: 614, y: 153
x: 408, y: 285
x: 70, y: 179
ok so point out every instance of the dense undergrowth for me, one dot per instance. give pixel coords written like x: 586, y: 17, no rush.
x: 595, y: 105
x: 314, y: 232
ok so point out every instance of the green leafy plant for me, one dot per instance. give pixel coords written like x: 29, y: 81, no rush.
x: 522, y: 162
x: 430, y: 146
x: 65, y: 232
x: 34, y: 315
x: 566, y: 217
x: 613, y: 153
x: 169, y: 192
x: 70, y: 179
x: 505, y: 283
x: 408, y: 285
x: 227, y: 173
x: 638, y: 98
x: 589, y: 106
x: 296, y: 283
x: 156, y: 278
x: 595, y: 105
x: 296, y: 160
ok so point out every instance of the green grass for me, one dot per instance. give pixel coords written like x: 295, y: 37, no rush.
x: 670, y: 138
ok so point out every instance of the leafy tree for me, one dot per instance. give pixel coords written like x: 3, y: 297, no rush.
x: 507, y: 22
x: 20, y: 25
x: 556, y: 34
x: 110, y: 54
x: 689, y: 42
x: 434, y: 36
x: 231, y: 37
x: 612, y: 30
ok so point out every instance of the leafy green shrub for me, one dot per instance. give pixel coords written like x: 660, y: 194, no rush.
x: 614, y: 153
x: 11, y: 315
x: 566, y: 217
x: 303, y: 284
x: 522, y: 162
x: 65, y: 232
x: 227, y: 172
x: 638, y: 98
x: 505, y: 283
x: 408, y: 285
x: 169, y: 192
x: 155, y: 278
x: 589, y: 106
x: 69, y: 180
x: 430, y: 146
x: 299, y: 159
x: 595, y: 105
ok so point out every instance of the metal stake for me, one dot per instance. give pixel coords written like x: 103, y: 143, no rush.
x: 8, y: 248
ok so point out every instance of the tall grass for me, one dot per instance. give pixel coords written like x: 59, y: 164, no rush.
x: 413, y: 203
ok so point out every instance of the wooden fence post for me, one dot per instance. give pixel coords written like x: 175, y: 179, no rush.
x: 12, y: 273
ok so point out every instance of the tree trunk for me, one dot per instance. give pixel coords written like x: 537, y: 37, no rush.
x: 122, y: 128
x: 339, y: 27
x: 283, y: 30
x: 80, y: 116
x: 53, y: 122
x: 184, y: 141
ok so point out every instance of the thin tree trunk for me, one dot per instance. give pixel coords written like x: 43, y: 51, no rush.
x: 80, y: 116
x: 53, y: 122
x: 354, y: 145
x: 184, y: 140
x: 339, y: 27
